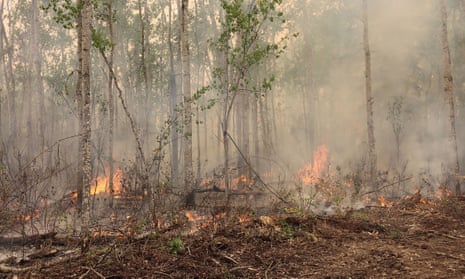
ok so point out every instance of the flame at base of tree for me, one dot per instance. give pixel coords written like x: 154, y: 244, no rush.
x: 312, y: 171
x: 101, y: 184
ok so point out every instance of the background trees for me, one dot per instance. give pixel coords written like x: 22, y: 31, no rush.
x: 233, y: 86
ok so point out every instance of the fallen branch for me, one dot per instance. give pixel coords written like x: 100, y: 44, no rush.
x: 11, y: 269
x: 69, y: 255
x: 385, y: 186
x: 243, y: 267
x: 89, y: 269
x: 268, y: 269
x: 125, y: 108
x: 449, y: 256
x: 26, y: 240
x: 229, y: 258
x: 43, y: 253
x: 255, y: 172
x: 162, y: 273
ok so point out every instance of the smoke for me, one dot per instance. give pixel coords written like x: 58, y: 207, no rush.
x: 406, y: 61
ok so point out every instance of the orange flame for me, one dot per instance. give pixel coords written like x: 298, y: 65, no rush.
x: 100, y: 184
x: 35, y: 214
x: 443, y: 192
x: 193, y: 216
x: 310, y: 173
x: 383, y: 202
x: 242, y: 179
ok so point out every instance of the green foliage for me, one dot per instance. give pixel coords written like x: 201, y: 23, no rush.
x: 287, y: 231
x: 395, y: 234
x: 242, y: 38
x: 176, y: 246
x: 100, y: 41
x: 65, y: 11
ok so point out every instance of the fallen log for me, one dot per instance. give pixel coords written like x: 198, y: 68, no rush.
x: 26, y: 240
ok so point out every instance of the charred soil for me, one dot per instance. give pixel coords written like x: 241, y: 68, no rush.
x: 411, y: 239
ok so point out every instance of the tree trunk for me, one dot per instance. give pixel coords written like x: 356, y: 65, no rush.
x: 37, y: 84
x: 369, y: 100
x: 86, y: 14
x: 79, y: 102
x: 173, y: 100
x: 448, y: 84
x: 111, y: 104
x: 186, y: 88
x: 9, y: 79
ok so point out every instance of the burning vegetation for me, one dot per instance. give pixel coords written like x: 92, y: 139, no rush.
x: 204, y: 130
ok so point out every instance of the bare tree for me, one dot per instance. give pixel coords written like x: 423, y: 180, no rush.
x: 448, y: 84
x: 172, y: 103
x: 86, y: 16
x: 9, y: 76
x: 37, y: 71
x: 369, y: 99
x: 186, y: 88
x: 111, y: 103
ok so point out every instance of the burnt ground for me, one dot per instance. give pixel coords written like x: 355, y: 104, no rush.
x: 408, y: 240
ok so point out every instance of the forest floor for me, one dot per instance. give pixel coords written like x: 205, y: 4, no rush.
x: 414, y: 238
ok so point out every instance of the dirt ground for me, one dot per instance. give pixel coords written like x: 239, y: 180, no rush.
x: 412, y: 239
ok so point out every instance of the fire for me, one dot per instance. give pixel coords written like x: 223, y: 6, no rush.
x: 443, y: 192
x: 245, y: 217
x: 240, y: 180
x: 383, y: 202
x: 194, y: 216
x: 310, y: 173
x: 100, y: 184
x: 427, y: 201
x: 28, y: 217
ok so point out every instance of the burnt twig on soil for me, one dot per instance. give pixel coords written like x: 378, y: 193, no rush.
x: 229, y: 258
x: 89, y: 269
x: 268, y: 269
x: 242, y: 267
x: 162, y: 273
x: 449, y: 256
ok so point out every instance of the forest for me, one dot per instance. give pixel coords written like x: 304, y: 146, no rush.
x: 186, y: 132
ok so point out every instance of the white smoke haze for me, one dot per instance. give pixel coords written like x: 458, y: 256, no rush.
x: 318, y: 98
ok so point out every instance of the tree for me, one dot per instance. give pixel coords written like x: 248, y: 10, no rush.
x: 241, y: 48
x: 186, y: 88
x: 369, y: 99
x: 173, y: 96
x: 86, y: 33
x: 448, y: 84
x: 395, y: 118
x: 9, y: 76
x: 37, y: 71
x: 111, y: 102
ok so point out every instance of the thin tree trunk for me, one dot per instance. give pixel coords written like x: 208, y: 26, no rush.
x: 186, y: 88
x: 111, y: 104
x: 37, y: 84
x: 225, y: 128
x: 9, y: 79
x: 27, y: 99
x: 172, y: 100
x: 246, y: 134
x: 86, y: 124
x: 79, y: 101
x: 255, y: 131
x: 369, y: 100
x: 448, y: 84
x: 200, y: 83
